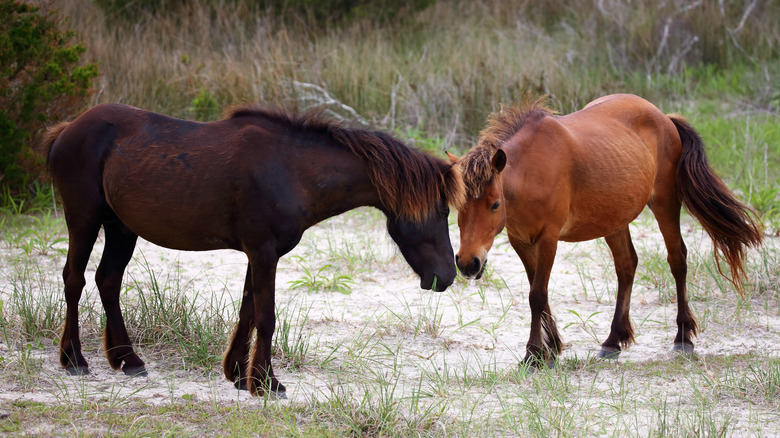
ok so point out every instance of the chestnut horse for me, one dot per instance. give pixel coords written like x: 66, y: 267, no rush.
x: 587, y: 175
x: 252, y: 182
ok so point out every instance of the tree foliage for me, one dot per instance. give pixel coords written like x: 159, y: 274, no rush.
x: 41, y: 80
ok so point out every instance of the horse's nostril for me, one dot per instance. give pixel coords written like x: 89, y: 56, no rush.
x: 476, y: 261
x: 457, y: 259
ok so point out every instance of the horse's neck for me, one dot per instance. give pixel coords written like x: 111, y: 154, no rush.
x: 339, y: 184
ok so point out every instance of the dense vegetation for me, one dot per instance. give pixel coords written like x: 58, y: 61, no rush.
x: 416, y: 364
x: 41, y: 80
x: 433, y: 71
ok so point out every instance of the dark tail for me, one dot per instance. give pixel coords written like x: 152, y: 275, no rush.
x: 732, y: 225
x: 50, y: 136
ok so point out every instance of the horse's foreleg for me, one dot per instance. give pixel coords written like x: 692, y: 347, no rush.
x: 544, y: 342
x: 527, y: 253
x: 261, y: 375
x: 80, y: 245
x: 237, y: 355
x: 621, y: 334
x: 119, y: 249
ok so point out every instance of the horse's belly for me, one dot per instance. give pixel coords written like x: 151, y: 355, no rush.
x: 607, y: 194
x: 181, y: 239
x: 601, y: 217
x: 172, y: 212
x: 185, y: 231
x: 580, y: 231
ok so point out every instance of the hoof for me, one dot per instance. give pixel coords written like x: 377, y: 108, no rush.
x: 683, y: 348
x: 535, y: 363
x: 241, y: 385
x: 272, y: 395
x: 135, y: 371
x: 609, y: 353
x: 77, y: 371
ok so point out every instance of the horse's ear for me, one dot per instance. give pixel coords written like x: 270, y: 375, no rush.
x: 498, y: 161
x: 454, y: 188
x: 453, y: 158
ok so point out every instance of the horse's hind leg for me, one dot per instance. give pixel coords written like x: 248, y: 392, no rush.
x: 236, y: 357
x: 120, y: 244
x: 667, y: 213
x: 81, y: 239
x: 621, y: 334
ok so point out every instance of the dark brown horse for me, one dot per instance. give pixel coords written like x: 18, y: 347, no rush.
x: 588, y: 175
x: 253, y: 182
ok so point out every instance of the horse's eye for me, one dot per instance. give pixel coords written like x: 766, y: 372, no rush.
x: 495, y: 206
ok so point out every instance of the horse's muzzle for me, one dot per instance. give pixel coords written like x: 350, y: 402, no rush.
x: 474, y: 268
x: 436, y: 283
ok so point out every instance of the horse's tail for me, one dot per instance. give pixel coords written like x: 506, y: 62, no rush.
x: 50, y: 136
x: 732, y: 225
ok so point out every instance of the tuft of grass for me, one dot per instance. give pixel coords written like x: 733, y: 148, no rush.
x: 36, y: 306
x: 325, y: 278
x: 162, y: 310
x: 42, y: 236
x: 291, y: 342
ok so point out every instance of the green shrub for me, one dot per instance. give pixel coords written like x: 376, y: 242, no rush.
x: 41, y: 80
x: 205, y: 107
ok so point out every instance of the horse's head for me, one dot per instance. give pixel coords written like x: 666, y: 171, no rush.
x: 482, y: 217
x: 425, y: 241
x: 426, y: 247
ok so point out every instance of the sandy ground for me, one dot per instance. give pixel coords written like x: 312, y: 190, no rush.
x: 382, y: 322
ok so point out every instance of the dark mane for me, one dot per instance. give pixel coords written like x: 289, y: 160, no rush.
x: 409, y: 183
x: 501, y: 126
x: 312, y: 119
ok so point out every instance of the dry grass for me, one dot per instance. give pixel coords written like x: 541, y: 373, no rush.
x: 440, y: 71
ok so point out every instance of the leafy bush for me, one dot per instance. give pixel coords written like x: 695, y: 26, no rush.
x: 41, y: 80
x: 205, y: 107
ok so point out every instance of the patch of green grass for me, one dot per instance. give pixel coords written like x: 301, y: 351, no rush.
x: 35, y: 306
x: 39, y: 198
x: 325, y: 278
x: 744, y: 149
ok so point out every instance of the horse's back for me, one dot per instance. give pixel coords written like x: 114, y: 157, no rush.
x: 655, y: 129
x: 168, y: 180
x: 632, y: 114
x: 601, y: 164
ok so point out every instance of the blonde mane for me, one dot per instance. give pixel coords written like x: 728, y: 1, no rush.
x: 501, y: 126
